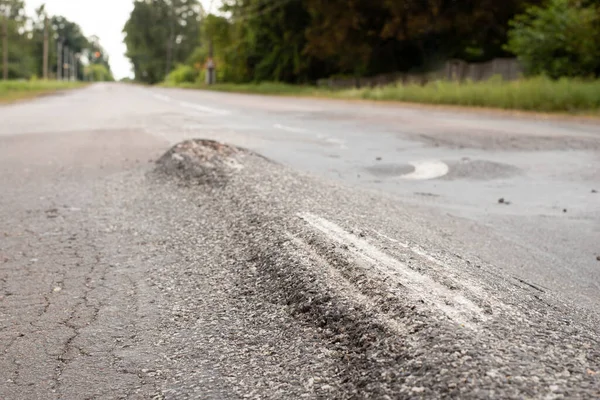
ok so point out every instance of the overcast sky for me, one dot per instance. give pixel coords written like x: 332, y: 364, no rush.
x: 103, y: 18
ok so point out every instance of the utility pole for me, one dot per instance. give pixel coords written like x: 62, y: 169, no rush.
x: 65, y: 66
x: 45, y: 67
x: 71, y: 66
x: 59, y: 58
x: 5, y: 47
x: 211, y: 74
x: 75, y: 67
x: 171, y: 38
x: 210, y: 65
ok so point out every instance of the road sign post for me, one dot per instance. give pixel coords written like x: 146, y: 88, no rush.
x: 59, y: 59
x: 211, y: 73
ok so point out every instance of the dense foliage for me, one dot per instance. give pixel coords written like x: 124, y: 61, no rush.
x: 299, y: 41
x: 558, y: 40
x: 26, y: 42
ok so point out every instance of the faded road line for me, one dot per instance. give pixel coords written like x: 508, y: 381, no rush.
x: 193, y: 106
x: 197, y: 107
x: 162, y: 97
x: 334, y: 141
x: 289, y: 128
x: 452, y: 303
x: 427, y: 170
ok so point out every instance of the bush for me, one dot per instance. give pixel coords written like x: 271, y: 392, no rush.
x: 182, y: 74
x: 559, y: 40
x: 98, y: 73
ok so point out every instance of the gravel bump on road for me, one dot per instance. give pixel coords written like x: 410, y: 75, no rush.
x: 206, y: 161
x: 378, y: 339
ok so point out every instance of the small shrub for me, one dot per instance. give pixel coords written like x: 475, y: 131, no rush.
x: 182, y: 74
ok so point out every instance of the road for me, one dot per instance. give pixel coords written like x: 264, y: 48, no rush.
x: 368, y: 255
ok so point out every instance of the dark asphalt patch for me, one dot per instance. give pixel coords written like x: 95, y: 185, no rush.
x: 480, y: 170
x: 390, y: 170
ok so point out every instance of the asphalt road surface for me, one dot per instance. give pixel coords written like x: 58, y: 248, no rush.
x: 334, y: 250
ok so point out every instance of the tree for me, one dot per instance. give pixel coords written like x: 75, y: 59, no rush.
x: 26, y: 40
x: 159, y: 34
x: 378, y: 36
x: 304, y: 40
x: 69, y: 33
x: 274, y: 40
x: 20, y: 61
x: 98, y: 73
x: 96, y: 55
x: 561, y: 39
x: 14, y: 10
x: 215, y: 35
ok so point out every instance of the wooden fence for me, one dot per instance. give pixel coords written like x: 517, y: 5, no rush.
x: 454, y: 70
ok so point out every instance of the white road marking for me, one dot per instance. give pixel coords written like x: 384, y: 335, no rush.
x: 427, y: 170
x: 338, y: 142
x: 289, y: 128
x: 473, y: 287
x: 193, y: 106
x: 336, y: 279
x: 162, y: 97
x: 198, y: 107
x: 451, y: 302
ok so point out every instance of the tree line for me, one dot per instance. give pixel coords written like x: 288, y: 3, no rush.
x: 300, y: 41
x: 25, y: 36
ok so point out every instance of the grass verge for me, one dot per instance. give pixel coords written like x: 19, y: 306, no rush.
x: 11, y: 91
x: 540, y: 94
x: 271, y: 88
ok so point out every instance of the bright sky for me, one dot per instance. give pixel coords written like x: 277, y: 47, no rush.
x: 103, y: 18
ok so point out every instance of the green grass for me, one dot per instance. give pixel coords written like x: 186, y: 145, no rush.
x: 18, y: 90
x: 536, y: 94
x: 271, y: 88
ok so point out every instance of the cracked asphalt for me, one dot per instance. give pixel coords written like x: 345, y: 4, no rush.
x: 211, y: 272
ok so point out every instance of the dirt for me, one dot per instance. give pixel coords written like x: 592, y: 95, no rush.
x: 202, y: 161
